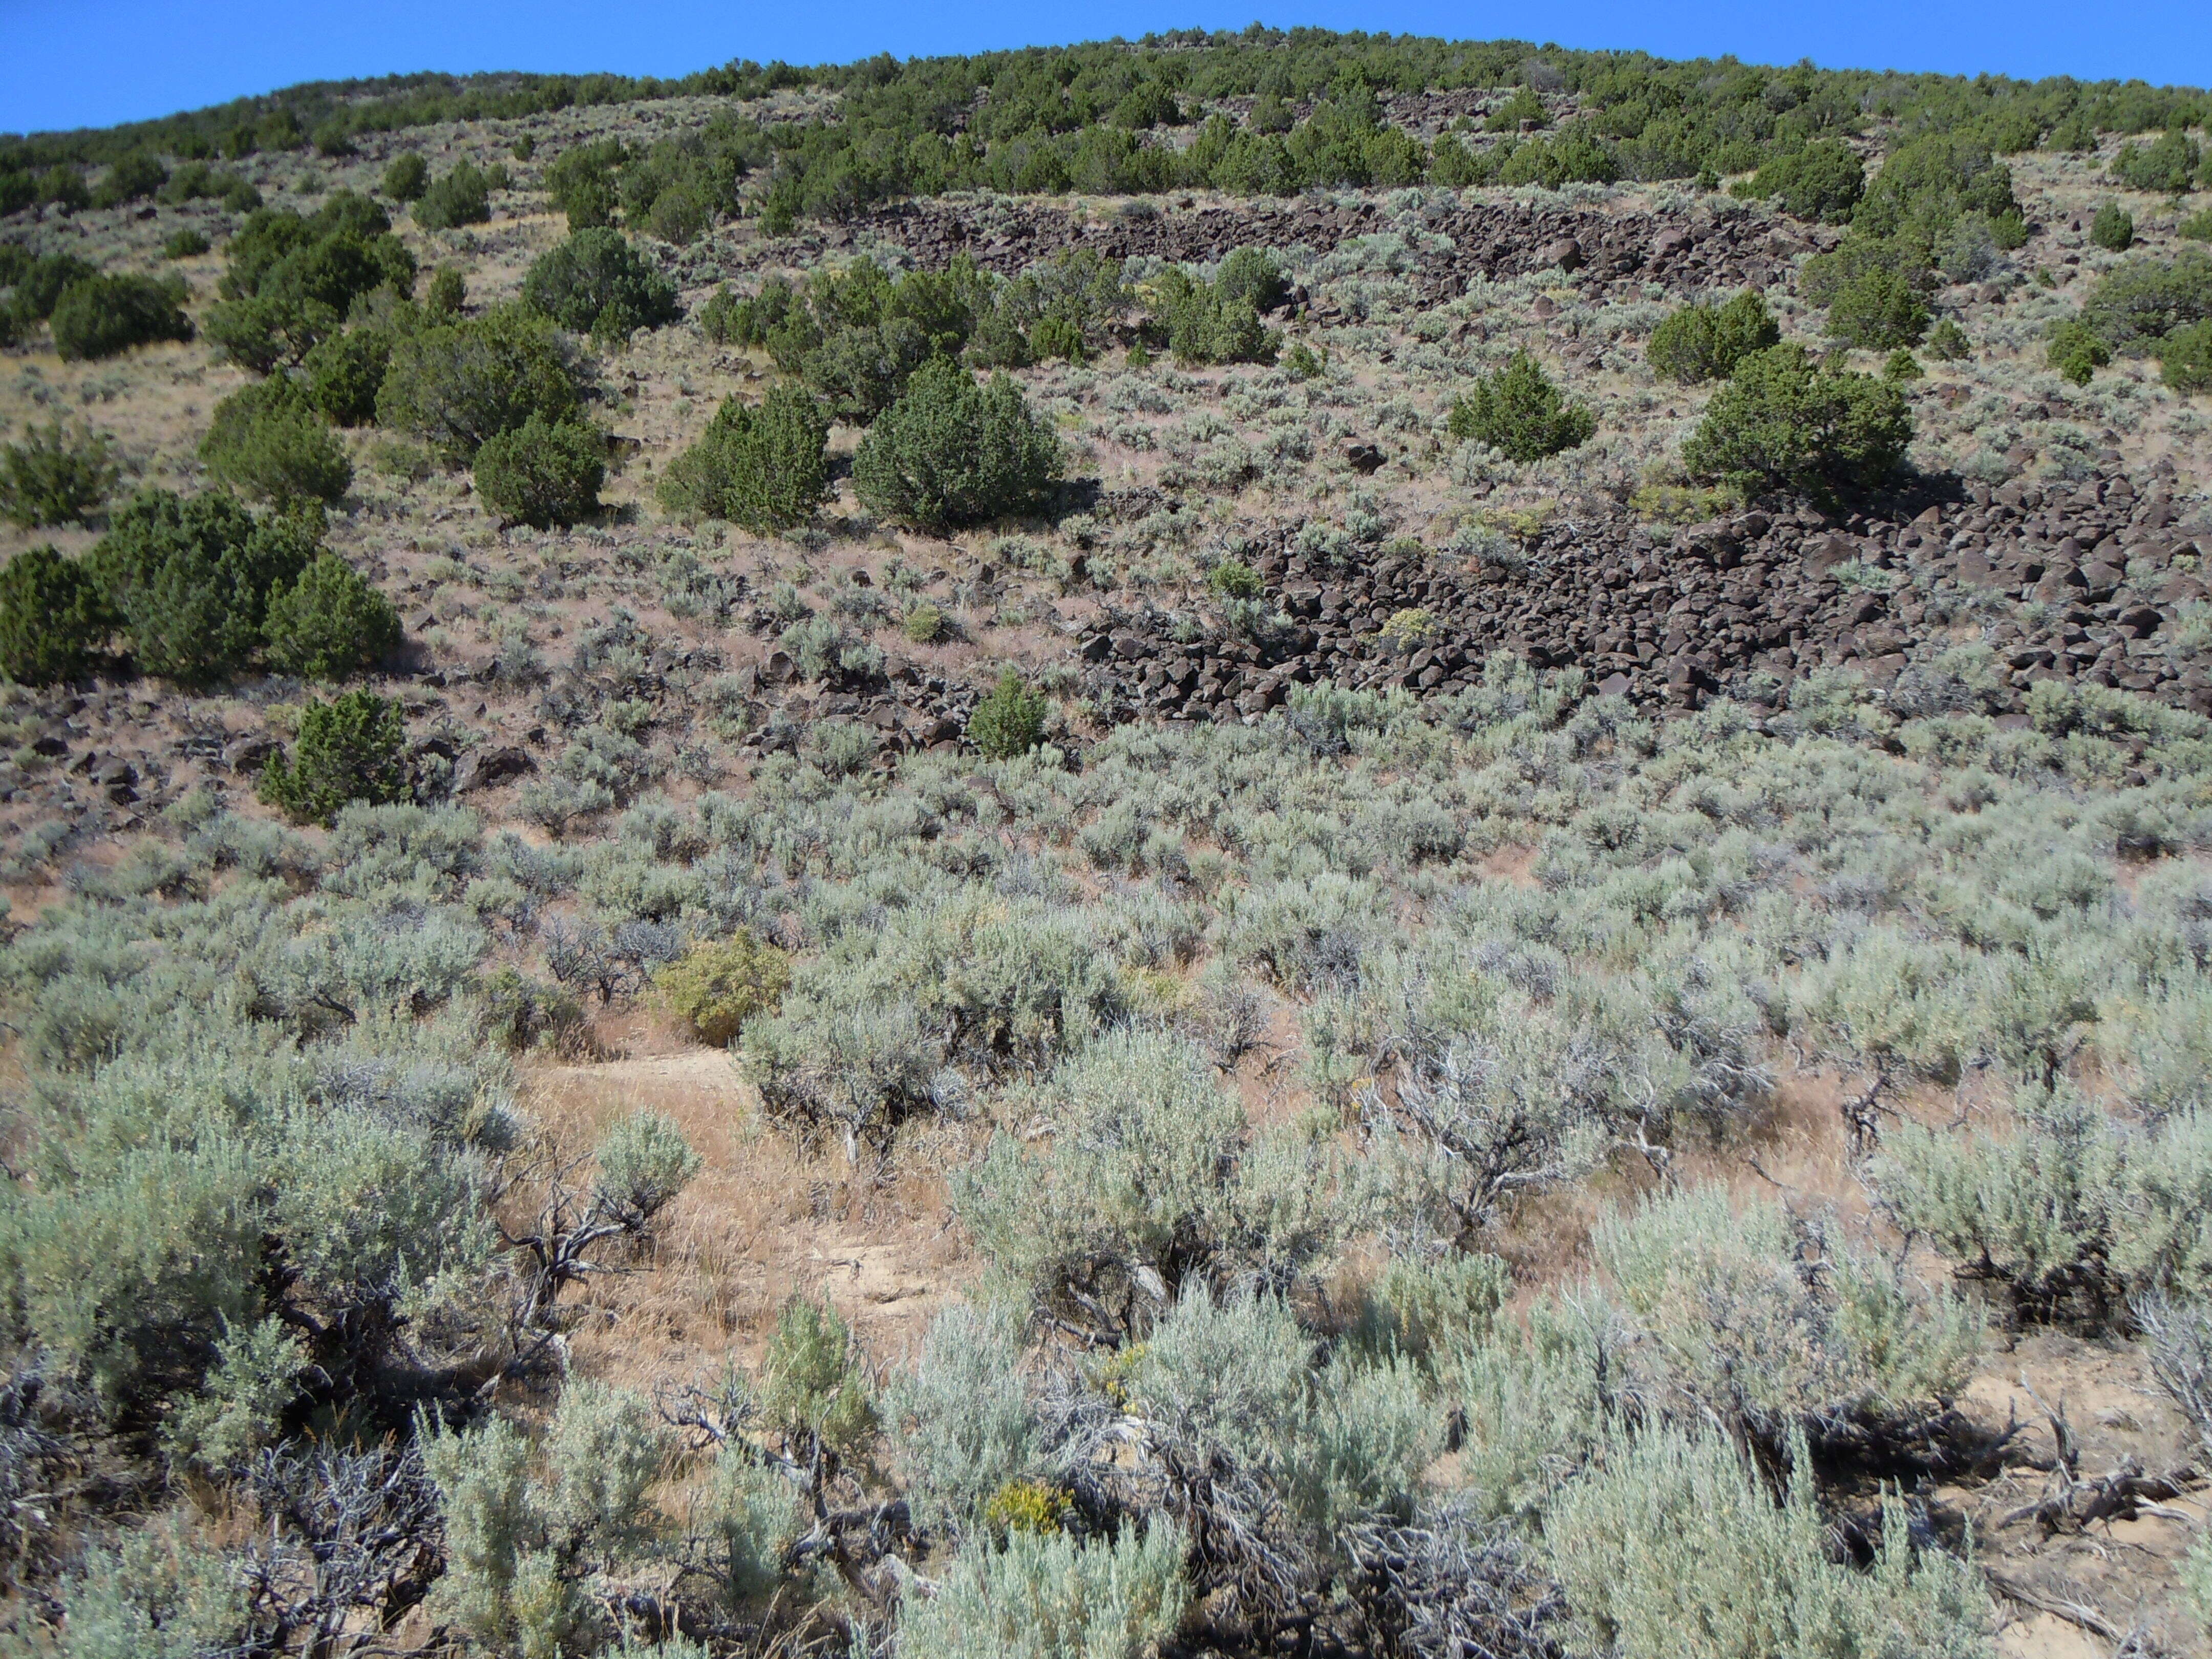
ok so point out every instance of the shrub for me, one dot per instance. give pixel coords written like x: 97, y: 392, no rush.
x: 448, y: 293
x: 132, y: 178
x: 581, y: 181
x: 190, y: 579
x: 596, y: 282
x: 644, y: 1164
x: 105, y: 316
x: 1047, y: 1595
x: 2142, y: 301
x: 1737, y: 1338
x: 1208, y: 323
x: 861, y: 371
x: 349, y: 749
x: 462, y: 197
x: 344, y: 374
x: 52, y: 617
x: 2196, y: 227
x: 1947, y: 341
x: 1672, y: 1547
x: 261, y: 336
x: 1232, y: 578
x: 1010, y: 721
x: 542, y: 473
x: 812, y: 1386
x: 962, y: 1420
x: 950, y: 452
x: 1250, y: 274
x: 1822, y: 180
x: 40, y: 282
x: 2075, y: 351
x: 1783, y: 421
x: 331, y: 623
x: 55, y: 476
x: 2066, y: 1210
x: 2113, y: 229
x: 270, y: 440
x: 291, y: 281
x: 719, y: 318
x: 406, y: 176
x: 186, y: 244
x: 1706, y: 343
x: 2184, y: 358
x: 765, y: 467
x: 1878, y: 310
x: 472, y: 379
x: 717, y: 986
x: 2168, y: 164
x: 1145, y: 1188
x: 1519, y: 412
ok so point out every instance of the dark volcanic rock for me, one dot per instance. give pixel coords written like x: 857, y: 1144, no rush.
x: 1737, y: 607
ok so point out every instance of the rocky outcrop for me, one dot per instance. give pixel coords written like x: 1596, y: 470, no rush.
x: 2084, y: 583
x: 1596, y: 247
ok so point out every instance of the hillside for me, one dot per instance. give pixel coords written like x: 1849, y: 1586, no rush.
x: 1264, y: 843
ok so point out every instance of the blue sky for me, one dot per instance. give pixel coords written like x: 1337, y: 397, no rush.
x: 88, y: 62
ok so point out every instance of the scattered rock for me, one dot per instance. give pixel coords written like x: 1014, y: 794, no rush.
x: 487, y: 768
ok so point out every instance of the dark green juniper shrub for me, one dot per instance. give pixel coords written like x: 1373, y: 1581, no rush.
x: 1209, y: 323
x: 1706, y: 343
x: 1878, y: 310
x: 2196, y: 227
x: 331, y: 623
x: 1946, y: 341
x: 186, y: 244
x: 38, y: 283
x: 107, y: 316
x: 2113, y: 229
x: 542, y: 473
x: 189, y: 579
x: 349, y: 749
x: 270, y: 440
x: 2167, y: 164
x: 52, y: 617
x: 406, y: 176
x: 1821, y: 180
x: 719, y: 318
x: 951, y: 452
x: 1009, y: 720
x: 2075, y: 351
x: 1250, y: 273
x: 861, y: 371
x: 2138, y: 303
x: 132, y: 178
x: 262, y: 336
x: 766, y: 467
x: 55, y: 476
x: 1783, y: 421
x: 196, y: 181
x: 462, y: 197
x: 596, y: 283
x: 1519, y: 412
x: 463, y: 382
x: 345, y: 371
x: 581, y: 181
x: 2184, y: 358
x: 292, y: 280
x: 447, y: 293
